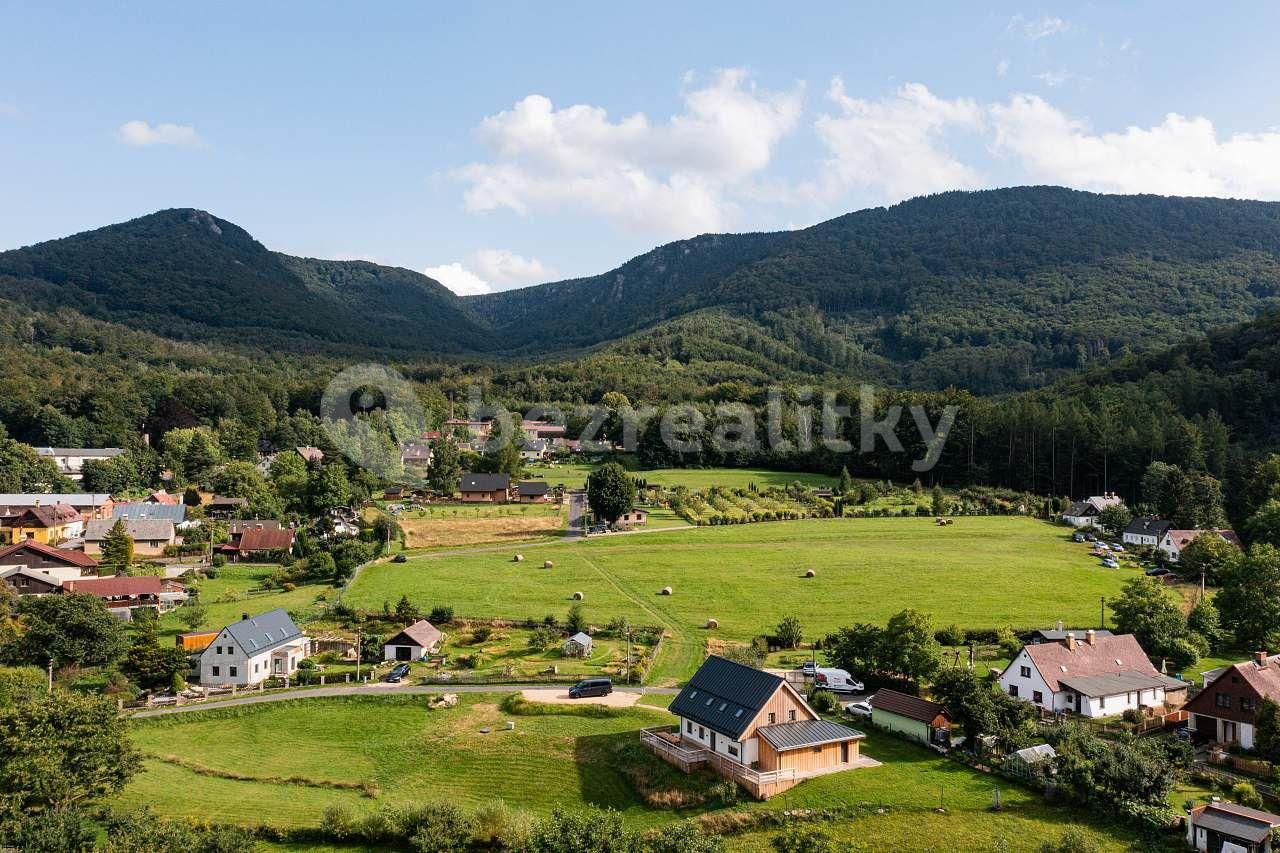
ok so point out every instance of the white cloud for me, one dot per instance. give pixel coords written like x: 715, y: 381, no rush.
x: 1180, y: 156
x: 1038, y: 28
x: 143, y: 134
x: 1002, y: 68
x: 674, y: 179
x: 458, y: 278
x: 503, y: 267
x: 895, y: 145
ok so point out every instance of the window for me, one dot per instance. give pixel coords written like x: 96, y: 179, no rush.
x: 1246, y: 704
x: 791, y: 715
x: 1013, y: 690
x: 219, y: 650
x: 733, y: 750
x: 773, y: 718
x: 1222, y: 700
x: 688, y: 726
x: 1102, y: 701
x: 1037, y: 697
x: 1024, y: 671
x: 215, y: 670
x: 702, y: 733
x: 232, y: 671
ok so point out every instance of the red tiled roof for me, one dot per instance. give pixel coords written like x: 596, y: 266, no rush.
x: 1183, y: 538
x: 421, y: 632
x: 116, y: 587
x: 267, y: 539
x: 1107, y: 655
x: 163, y: 497
x: 75, y: 558
x: 54, y: 515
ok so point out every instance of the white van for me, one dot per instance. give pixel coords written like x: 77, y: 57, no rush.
x: 836, y: 679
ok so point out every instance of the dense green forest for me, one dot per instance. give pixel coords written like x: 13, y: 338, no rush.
x: 990, y: 291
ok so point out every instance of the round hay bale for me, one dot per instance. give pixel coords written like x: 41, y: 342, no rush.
x: 810, y: 573
x: 666, y: 590
x: 713, y: 623
x: 577, y: 596
x: 519, y: 558
x: 547, y: 564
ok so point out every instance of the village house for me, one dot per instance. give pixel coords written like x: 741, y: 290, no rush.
x: 225, y: 506
x: 89, y: 505
x: 49, y: 524
x: 139, y: 510
x: 1086, y: 512
x: 534, y: 449
x: 414, y: 642
x: 123, y: 595
x: 1100, y: 676
x: 1224, y: 711
x: 753, y: 727
x: 633, y: 517
x: 150, y: 535
x: 532, y: 491
x: 1145, y: 531
x: 254, y: 649
x: 414, y: 455
x: 163, y: 498
x: 310, y: 455
x: 70, y: 460
x: 58, y: 561
x: 259, y: 541
x: 1173, y: 541
x: 1229, y: 828
x: 485, y: 488
x: 30, y: 582
x: 542, y: 429
x: 919, y: 719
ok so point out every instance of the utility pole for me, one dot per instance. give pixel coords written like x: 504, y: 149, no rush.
x: 630, y: 664
x: 1104, y: 611
x: 359, y: 649
x: 50, y: 687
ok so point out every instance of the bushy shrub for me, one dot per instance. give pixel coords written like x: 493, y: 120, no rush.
x: 824, y: 701
x: 1246, y: 795
x: 441, y: 614
x: 1132, y: 715
x: 952, y: 635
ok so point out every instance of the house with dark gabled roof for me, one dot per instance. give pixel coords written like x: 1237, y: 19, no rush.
x: 485, y: 488
x: 533, y: 491
x: 37, y: 555
x: 1145, y: 530
x: 755, y: 728
x: 916, y: 718
x: 1229, y: 828
x: 1086, y: 512
x: 254, y: 649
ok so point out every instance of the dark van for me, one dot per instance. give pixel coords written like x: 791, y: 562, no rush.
x: 591, y: 687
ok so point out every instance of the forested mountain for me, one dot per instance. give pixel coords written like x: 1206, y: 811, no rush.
x: 991, y: 291
x: 188, y: 275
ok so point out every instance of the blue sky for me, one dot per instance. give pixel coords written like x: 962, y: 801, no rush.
x: 502, y: 145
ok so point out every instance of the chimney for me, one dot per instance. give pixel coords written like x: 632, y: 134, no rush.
x: 244, y: 617
x: 1071, y: 641
x: 1060, y: 625
x: 1260, y: 658
x: 1090, y: 636
x: 37, y: 503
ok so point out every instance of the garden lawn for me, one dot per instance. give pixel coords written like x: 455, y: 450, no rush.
x: 236, y: 590
x: 981, y: 572
x: 509, y: 648
x: 556, y: 759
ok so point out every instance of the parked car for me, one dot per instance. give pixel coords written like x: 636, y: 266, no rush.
x: 1077, y: 537
x: 809, y: 668
x: 1103, y: 546
x: 1118, y: 548
x: 858, y: 709
x: 399, y: 558
x: 1156, y: 572
x: 591, y: 687
x: 1089, y: 537
x: 397, y: 674
x: 837, y: 679
x: 1110, y: 563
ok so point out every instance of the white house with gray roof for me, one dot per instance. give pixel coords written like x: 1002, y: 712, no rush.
x: 254, y: 649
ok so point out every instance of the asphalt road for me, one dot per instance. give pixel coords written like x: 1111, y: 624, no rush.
x: 376, y: 688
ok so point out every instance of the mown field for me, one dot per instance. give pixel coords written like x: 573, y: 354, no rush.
x: 574, y: 476
x: 402, y: 752
x: 236, y: 590
x: 978, y: 572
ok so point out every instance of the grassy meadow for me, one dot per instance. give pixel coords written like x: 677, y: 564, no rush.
x: 237, y: 590
x: 398, y: 751
x: 574, y: 476
x: 978, y: 572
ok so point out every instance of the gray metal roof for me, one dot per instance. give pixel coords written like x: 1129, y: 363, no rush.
x: 725, y: 696
x: 80, y: 499
x: 1111, y: 683
x: 1145, y: 525
x: 485, y: 482
x: 785, y: 736
x: 532, y: 487
x: 86, y: 452
x: 147, y: 529
x: 1058, y: 635
x: 265, y: 631
x: 1238, y: 821
x: 177, y: 513
x: 581, y: 639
